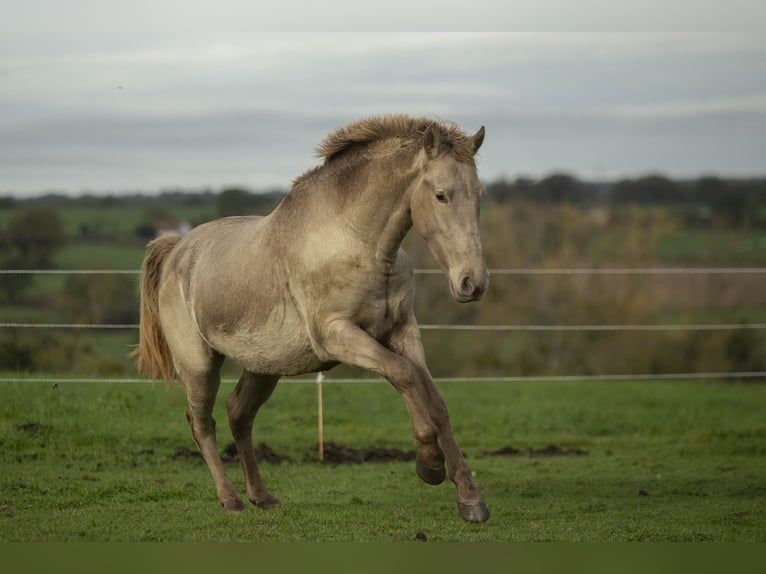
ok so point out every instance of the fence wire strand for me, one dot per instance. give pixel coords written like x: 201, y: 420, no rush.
x: 441, y: 327
x: 368, y: 380
x: 498, y: 271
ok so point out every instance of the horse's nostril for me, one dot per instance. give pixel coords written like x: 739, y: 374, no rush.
x: 466, y: 285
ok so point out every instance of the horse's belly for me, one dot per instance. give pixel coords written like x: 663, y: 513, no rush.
x: 273, y: 352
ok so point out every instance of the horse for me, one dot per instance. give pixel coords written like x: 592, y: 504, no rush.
x: 319, y: 281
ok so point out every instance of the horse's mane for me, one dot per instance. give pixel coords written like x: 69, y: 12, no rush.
x: 395, y: 126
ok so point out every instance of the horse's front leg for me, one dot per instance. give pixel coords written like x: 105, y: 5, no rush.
x: 344, y: 341
x: 406, y: 342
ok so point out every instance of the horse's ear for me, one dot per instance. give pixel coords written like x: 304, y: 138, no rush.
x: 432, y: 141
x: 478, y: 138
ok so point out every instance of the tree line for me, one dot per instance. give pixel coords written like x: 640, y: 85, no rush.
x: 735, y: 202
x: 704, y: 201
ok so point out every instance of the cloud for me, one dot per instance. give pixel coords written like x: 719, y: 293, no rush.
x: 122, y: 111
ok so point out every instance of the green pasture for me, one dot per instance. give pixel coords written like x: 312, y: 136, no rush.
x: 122, y: 220
x: 713, y: 247
x: 675, y: 461
x: 99, y: 256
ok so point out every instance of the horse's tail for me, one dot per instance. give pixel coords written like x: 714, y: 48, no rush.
x: 152, y: 354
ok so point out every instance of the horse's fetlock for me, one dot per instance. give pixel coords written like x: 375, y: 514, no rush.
x: 428, y: 446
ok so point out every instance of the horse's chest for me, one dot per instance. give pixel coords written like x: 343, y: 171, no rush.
x: 379, y: 314
x: 376, y: 319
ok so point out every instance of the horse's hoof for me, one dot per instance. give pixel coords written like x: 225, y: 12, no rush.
x: 267, y: 502
x: 473, y: 511
x: 233, y: 505
x: 430, y: 475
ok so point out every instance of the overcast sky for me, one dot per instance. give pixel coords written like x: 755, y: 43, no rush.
x: 125, y: 111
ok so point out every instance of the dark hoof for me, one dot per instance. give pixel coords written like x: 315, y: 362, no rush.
x: 268, y: 502
x: 233, y: 505
x: 430, y: 475
x: 473, y: 512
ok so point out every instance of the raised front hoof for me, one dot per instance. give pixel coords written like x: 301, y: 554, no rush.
x: 232, y: 505
x: 269, y: 501
x: 474, y: 511
x: 430, y: 475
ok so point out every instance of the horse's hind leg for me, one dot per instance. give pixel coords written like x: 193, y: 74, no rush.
x: 201, y: 389
x: 250, y: 393
x: 198, y: 368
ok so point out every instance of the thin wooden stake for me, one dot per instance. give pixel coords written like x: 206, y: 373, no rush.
x: 320, y: 415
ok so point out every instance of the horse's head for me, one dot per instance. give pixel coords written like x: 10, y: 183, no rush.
x: 445, y: 211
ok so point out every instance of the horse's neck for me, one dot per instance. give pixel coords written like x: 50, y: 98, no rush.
x: 381, y: 212
x: 376, y: 212
x: 393, y: 233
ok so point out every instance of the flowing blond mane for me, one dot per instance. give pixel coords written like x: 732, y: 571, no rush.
x: 407, y: 128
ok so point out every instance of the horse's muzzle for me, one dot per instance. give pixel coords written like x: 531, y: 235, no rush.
x: 470, y: 288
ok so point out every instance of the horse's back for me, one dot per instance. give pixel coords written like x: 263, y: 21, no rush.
x: 219, y: 248
x: 226, y: 263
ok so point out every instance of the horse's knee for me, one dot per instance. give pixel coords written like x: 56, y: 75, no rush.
x: 400, y: 372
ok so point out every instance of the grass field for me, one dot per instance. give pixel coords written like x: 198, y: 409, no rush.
x: 710, y: 247
x: 664, y: 462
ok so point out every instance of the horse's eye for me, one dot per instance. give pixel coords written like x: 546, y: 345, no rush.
x: 441, y: 197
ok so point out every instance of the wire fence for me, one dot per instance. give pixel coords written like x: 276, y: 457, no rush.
x: 499, y: 271
x: 460, y: 380
x: 462, y: 327
x: 456, y: 327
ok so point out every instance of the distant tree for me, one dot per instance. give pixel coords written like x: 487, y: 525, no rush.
x: 34, y: 235
x: 744, y: 351
x: 740, y: 204
x: 502, y: 190
x: 563, y: 188
x: 28, y: 242
x: 145, y: 231
x: 16, y: 354
x: 235, y: 201
x: 706, y: 189
x: 100, y: 298
x: 155, y: 213
x: 652, y: 189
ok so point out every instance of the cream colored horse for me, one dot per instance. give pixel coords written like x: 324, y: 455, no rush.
x: 322, y: 280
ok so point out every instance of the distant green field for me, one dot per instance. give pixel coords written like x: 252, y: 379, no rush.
x: 713, y: 247
x: 120, y: 219
x: 99, y: 256
x: 662, y: 462
x: 124, y: 219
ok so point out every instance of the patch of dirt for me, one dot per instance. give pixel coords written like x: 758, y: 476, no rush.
x: 335, y: 453
x: 33, y: 427
x: 550, y: 450
x: 341, y: 454
x: 27, y: 457
x: 183, y: 452
x: 263, y: 452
